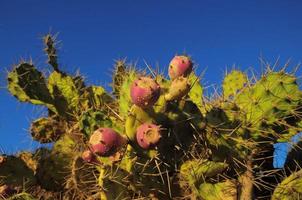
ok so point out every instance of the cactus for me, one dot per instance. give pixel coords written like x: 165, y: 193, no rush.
x: 15, y: 173
x: 179, y: 88
x: 124, y: 100
x: 92, y: 120
x: 289, y: 188
x: 28, y: 84
x: 64, y: 92
x: 50, y: 50
x: 233, y: 83
x: 48, y: 129
x: 158, y: 138
x: 54, y: 166
x: 221, y: 191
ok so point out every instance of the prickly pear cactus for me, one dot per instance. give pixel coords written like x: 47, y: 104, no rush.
x: 155, y: 137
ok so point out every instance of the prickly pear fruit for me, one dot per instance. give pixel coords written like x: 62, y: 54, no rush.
x: 180, y: 66
x: 148, y: 135
x: 178, y: 89
x: 105, y: 142
x: 144, y: 92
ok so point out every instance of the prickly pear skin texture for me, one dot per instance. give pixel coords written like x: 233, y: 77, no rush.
x: 144, y: 92
x: 105, y: 141
x: 180, y: 66
x: 148, y: 135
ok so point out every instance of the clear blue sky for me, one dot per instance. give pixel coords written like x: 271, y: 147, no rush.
x: 215, y: 33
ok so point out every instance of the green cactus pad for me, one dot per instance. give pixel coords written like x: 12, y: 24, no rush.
x: 28, y: 84
x: 196, y: 92
x: 48, y: 129
x: 290, y: 188
x: 92, y: 120
x: 233, y: 82
x: 14, y: 171
x: 56, y: 166
x: 64, y: 92
x: 95, y: 97
x: 136, y: 117
x: 275, y: 97
x: 22, y: 196
x: 220, y: 191
x: 197, y: 171
x: 118, y: 76
x: 124, y: 100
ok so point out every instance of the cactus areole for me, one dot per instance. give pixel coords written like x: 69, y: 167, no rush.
x: 105, y: 142
x: 144, y: 92
x: 180, y: 66
x: 148, y: 135
x: 88, y: 156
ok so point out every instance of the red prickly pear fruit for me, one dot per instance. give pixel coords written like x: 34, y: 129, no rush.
x: 148, y: 135
x: 89, y: 157
x: 105, y: 141
x: 178, y: 89
x: 144, y: 92
x: 180, y: 66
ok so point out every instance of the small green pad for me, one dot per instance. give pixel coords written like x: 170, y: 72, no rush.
x: 28, y: 84
x: 233, y: 83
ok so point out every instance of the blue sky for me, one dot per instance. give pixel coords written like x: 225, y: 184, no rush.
x: 217, y: 34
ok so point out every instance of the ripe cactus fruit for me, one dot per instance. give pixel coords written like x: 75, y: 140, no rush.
x: 180, y: 66
x: 105, y: 141
x: 148, y: 135
x: 178, y: 89
x: 144, y: 92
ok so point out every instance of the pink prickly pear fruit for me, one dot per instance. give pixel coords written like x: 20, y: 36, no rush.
x: 89, y: 157
x: 144, y: 92
x: 178, y: 89
x: 180, y: 66
x: 148, y: 135
x: 105, y: 142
